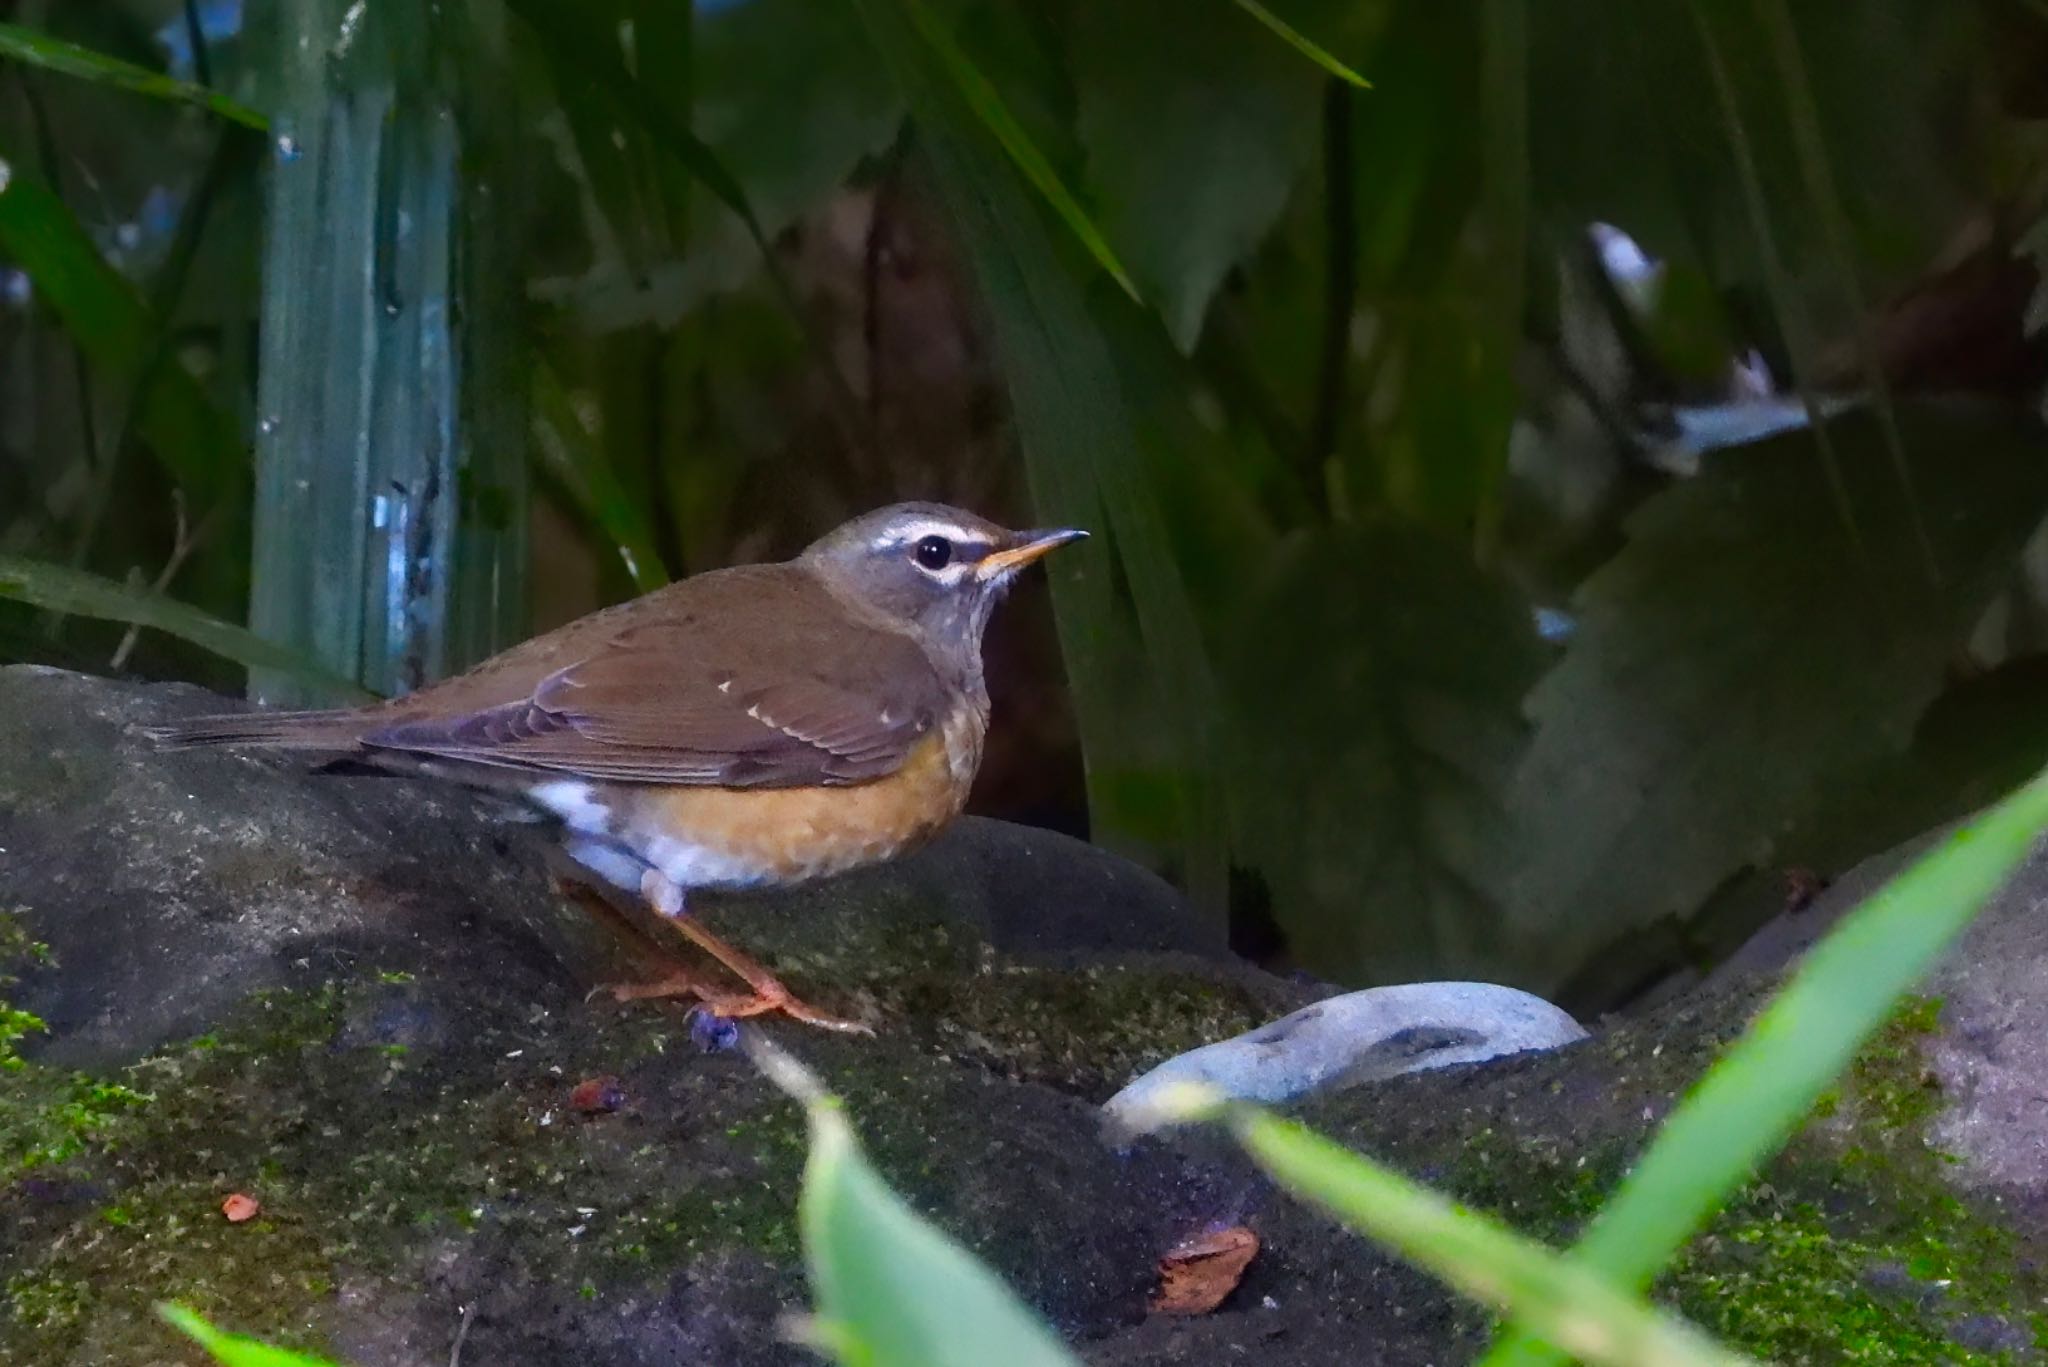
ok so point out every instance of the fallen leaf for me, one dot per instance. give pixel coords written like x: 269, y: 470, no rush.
x: 239, y: 1208
x: 1198, y: 1274
x: 598, y: 1095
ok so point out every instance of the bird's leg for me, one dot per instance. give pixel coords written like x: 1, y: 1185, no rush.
x: 766, y: 992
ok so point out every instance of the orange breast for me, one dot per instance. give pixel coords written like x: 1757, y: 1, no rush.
x: 708, y: 836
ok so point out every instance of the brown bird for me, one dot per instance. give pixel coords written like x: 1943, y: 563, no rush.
x: 751, y: 727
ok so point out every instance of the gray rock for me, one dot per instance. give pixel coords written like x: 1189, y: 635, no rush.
x: 393, y: 1030
x: 1359, y: 1037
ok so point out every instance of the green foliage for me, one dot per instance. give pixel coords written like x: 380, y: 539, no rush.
x: 57, y: 589
x: 1771, y: 1078
x: 1333, y: 369
x: 1743, y: 623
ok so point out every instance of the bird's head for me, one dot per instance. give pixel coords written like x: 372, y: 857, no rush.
x: 938, y: 570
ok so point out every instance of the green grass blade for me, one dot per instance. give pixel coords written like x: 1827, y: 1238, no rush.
x: 58, y: 589
x: 579, y: 462
x: 198, y: 444
x: 1778, y: 283
x: 1817, y: 172
x: 981, y: 96
x: 1570, y: 1304
x: 1295, y: 39
x: 34, y: 48
x: 1751, y: 1100
x: 232, y: 1350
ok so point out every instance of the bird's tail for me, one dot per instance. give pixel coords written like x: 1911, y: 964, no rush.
x: 339, y: 729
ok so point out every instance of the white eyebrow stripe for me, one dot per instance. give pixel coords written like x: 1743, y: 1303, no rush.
x: 905, y: 533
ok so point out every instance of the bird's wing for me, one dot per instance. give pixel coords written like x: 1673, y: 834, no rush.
x: 774, y: 686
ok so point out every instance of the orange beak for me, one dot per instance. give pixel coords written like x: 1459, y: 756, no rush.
x: 1024, y: 548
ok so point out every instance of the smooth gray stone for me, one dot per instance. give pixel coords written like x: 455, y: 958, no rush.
x: 1359, y: 1037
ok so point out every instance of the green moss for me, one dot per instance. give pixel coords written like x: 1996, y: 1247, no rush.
x: 1850, y: 1247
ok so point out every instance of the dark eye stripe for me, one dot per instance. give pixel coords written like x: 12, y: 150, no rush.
x: 971, y: 551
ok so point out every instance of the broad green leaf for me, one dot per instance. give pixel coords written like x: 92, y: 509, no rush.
x: 1303, y: 44
x: 1767, y: 1083
x: 233, y: 1350
x: 36, y: 48
x: 1739, y: 659
x: 891, y: 1289
x: 1084, y: 454
x: 1598, y: 1321
x: 1980, y: 740
x: 1195, y: 131
x: 198, y: 444
x: 987, y: 103
x: 88, y: 595
x: 1377, y: 727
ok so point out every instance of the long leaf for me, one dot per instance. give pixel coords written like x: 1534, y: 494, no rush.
x: 893, y: 1290
x: 580, y: 463
x: 88, y: 595
x: 233, y: 1350
x: 1748, y: 1103
x: 981, y: 96
x: 35, y: 48
x: 1295, y: 39
x: 197, y: 442
x: 1574, y: 1305
x: 1084, y: 455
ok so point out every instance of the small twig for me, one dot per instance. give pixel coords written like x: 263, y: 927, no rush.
x: 461, y: 1336
x: 183, y: 543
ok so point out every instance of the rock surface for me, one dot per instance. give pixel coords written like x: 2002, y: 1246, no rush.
x: 360, y: 1003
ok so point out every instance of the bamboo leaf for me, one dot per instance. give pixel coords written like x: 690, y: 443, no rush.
x: 58, y: 589
x: 1295, y: 39
x: 1747, y: 1104
x: 981, y: 96
x: 103, y: 311
x: 35, y: 48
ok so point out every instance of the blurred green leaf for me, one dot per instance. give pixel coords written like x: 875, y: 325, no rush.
x: 1084, y: 456
x: 892, y: 1290
x: 987, y: 103
x: 1768, y: 1081
x: 1738, y: 659
x: 1377, y: 731
x: 232, y: 1350
x: 1195, y: 133
x: 1301, y: 43
x: 1600, y: 1322
x: 581, y: 41
x: 576, y: 458
x: 58, y: 589
x: 198, y: 443
x: 1980, y: 740
x: 35, y: 48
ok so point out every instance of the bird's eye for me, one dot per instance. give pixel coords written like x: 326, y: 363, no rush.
x: 934, y: 553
